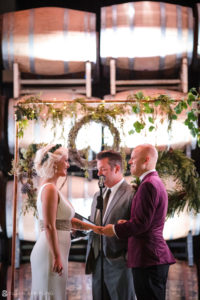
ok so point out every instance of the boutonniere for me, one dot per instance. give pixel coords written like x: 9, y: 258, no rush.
x: 135, y: 183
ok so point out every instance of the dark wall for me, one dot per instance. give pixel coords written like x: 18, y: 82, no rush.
x: 7, y: 5
x: 89, y: 5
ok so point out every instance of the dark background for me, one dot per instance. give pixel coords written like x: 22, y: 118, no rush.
x: 88, y: 5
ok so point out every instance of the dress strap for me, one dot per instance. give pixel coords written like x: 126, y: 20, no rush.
x: 64, y: 225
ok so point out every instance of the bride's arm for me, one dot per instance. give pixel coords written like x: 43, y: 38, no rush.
x: 80, y: 225
x: 49, y: 199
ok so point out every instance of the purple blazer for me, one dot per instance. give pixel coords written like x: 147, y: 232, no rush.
x: 144, y: 230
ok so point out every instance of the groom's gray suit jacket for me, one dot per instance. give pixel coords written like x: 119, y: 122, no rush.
x: 119, y: 208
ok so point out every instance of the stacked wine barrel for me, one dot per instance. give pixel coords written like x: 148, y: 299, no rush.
x: 48, y: 40
x: 147, y: 37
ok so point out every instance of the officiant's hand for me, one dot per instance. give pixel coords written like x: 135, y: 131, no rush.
x: 108, y: 230
x: 121, y: 221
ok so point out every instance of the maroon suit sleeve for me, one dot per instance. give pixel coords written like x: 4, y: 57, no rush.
x: 142, y: 212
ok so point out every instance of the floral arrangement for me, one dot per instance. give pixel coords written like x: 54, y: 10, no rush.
x: 26, y: 174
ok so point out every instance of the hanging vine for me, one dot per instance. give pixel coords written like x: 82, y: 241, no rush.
x: 34, y: 109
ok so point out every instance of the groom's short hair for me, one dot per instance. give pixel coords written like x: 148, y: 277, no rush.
x: 114, y: 157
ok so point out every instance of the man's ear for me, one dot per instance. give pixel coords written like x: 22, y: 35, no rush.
x: 117, y: 168
x: 147, y: 158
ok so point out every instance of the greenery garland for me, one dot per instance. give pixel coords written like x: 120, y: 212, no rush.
x: 147, y: 106
x: 175, y: 163
x: 34, y: 109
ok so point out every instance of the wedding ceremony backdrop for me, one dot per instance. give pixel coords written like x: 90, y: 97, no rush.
x: 126, y: 124
x: 110, y: 76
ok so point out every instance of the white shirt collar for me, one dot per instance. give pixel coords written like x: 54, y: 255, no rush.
x: 115, y: 187
x: 147, y: 172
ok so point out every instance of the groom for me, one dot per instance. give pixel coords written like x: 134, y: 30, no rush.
x: 148, y: 254
x: 118, y: 282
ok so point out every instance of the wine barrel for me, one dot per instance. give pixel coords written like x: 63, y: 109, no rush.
x: 48, y: 40
x: 147, y: 92
x: 197, y: 41
x: 146, y: 36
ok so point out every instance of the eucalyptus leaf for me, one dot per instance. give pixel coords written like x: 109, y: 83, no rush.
x: 151, y: 128
x: 151, y: 120
x: 131, y: 131
x: 139, y: 95
x: 136, y: 109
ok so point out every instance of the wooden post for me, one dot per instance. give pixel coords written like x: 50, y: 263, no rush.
x: 184, y: 75
x: 88, y: 67
x: 16, y: 81
x: 112, y: 77
x: 14, y: 216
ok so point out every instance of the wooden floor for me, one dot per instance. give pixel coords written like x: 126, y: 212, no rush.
x: 182, y: 282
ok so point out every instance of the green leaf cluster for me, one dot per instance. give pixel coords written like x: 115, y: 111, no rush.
x: 175, y: 163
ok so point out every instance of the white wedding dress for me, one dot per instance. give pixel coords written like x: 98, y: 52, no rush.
x: 48, y: 285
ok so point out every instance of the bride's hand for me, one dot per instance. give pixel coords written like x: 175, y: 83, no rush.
x: 97, y: 229
x: 57, y: 266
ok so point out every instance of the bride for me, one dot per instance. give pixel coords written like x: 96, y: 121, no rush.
x: 49, y: 257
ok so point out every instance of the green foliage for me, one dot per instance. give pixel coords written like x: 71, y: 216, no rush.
x: 25, y: 172
x: 175, y: 163
x: 138, y: 126
x: 166, y: 106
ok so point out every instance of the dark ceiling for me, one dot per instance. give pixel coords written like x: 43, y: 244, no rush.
x: 88, y: 5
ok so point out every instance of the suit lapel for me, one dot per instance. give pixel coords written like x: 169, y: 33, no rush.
x: 118, y: 195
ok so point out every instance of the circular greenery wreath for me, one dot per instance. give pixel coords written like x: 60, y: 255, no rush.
x: 175, y: 163
x: 74, y: 154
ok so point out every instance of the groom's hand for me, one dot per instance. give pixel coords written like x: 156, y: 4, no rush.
x: 121, y: 221
x: 108, y: 230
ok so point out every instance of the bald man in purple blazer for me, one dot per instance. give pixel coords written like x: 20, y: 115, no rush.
x: 148, y: 254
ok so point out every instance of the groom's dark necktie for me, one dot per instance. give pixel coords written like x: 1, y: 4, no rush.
x: 105, y: 203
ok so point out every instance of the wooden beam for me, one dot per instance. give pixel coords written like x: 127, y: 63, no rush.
x: 14, y: 217
x: 16, y: 81
x: 113, y: 81
x: 88, y: 72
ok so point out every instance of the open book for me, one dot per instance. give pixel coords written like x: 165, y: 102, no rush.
x: 78, y: 216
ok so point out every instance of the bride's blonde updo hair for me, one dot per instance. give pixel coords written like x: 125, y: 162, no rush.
x: 46, y: 159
